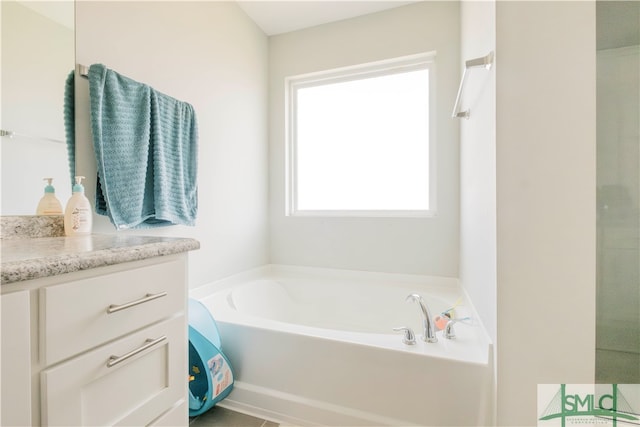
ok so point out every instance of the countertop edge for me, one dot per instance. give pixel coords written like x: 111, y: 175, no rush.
x: 18, y: 271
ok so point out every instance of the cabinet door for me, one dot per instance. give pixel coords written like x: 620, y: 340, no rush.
x: 87, y: 391
x: 15, y: 375
x: 177, y: 416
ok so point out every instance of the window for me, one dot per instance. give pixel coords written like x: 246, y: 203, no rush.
x: 359, y: 140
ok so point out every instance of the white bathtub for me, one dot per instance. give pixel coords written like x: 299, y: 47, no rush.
x: 315, y: 346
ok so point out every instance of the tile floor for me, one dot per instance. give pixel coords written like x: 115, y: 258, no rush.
x: 221, y: 417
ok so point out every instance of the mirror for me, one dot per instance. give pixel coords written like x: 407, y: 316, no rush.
x: 38, y: 44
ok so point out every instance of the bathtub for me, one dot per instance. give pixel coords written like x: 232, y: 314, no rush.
x: 313, y: 346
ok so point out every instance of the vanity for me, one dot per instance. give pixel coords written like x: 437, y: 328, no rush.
x: 94, y: 329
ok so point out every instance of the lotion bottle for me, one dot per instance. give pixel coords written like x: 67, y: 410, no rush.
x: 78, y: 218
x: 49, y: 204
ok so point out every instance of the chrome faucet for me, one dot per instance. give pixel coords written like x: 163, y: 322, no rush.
x: 428, y: 330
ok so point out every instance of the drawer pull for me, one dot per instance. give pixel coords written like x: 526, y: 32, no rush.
x: 114, y: 360
x: 149, y: 297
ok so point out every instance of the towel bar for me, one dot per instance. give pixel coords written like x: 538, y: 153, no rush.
x: 10, y: 134
x: 484, y: 61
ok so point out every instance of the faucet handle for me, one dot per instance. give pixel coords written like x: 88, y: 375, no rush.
x: 448, y: 332
x: 409, y: 336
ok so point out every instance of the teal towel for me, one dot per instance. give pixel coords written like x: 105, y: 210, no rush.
x: 70, y: 123
x: 146, y: 151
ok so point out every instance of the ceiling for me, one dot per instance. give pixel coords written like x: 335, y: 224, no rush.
x: 617, y: 22
x: 277, y: 17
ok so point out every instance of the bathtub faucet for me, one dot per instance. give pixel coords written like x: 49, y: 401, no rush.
x: 428, y: 331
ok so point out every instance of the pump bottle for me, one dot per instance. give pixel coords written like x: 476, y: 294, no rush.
x: 49, y: 204
x: 78, y: 218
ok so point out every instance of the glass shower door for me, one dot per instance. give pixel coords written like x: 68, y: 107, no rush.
x: 618, y: 223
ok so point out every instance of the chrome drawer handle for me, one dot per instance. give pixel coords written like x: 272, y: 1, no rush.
x: 149, y: 297
x: 114, y: 360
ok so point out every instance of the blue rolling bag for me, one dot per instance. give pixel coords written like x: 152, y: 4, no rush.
x: 210, y: 374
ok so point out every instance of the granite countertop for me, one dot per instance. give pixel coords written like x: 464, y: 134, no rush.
x: 32, y: 258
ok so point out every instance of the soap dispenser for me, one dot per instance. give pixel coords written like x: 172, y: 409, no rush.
x: 49, y: 204
x: 78, y: 218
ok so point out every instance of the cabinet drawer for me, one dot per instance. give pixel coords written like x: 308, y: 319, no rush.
x: 135, y: 391
x: 82, y: 314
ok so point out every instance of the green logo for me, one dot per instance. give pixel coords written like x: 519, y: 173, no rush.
x: 600, y: 403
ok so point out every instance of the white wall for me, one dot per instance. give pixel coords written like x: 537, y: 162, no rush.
x: 478, y: 164
x: 546, y: 157
x: 213, y: 56
x: 407, y: 245
x: 478, y: 247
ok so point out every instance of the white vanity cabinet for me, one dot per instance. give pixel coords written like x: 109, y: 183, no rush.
x: 108, y: 345
x: 15, y: 375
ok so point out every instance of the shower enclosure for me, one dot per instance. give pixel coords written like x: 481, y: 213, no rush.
x: 618, y: 192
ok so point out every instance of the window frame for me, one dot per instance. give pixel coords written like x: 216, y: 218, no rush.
x: 371, y: 69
